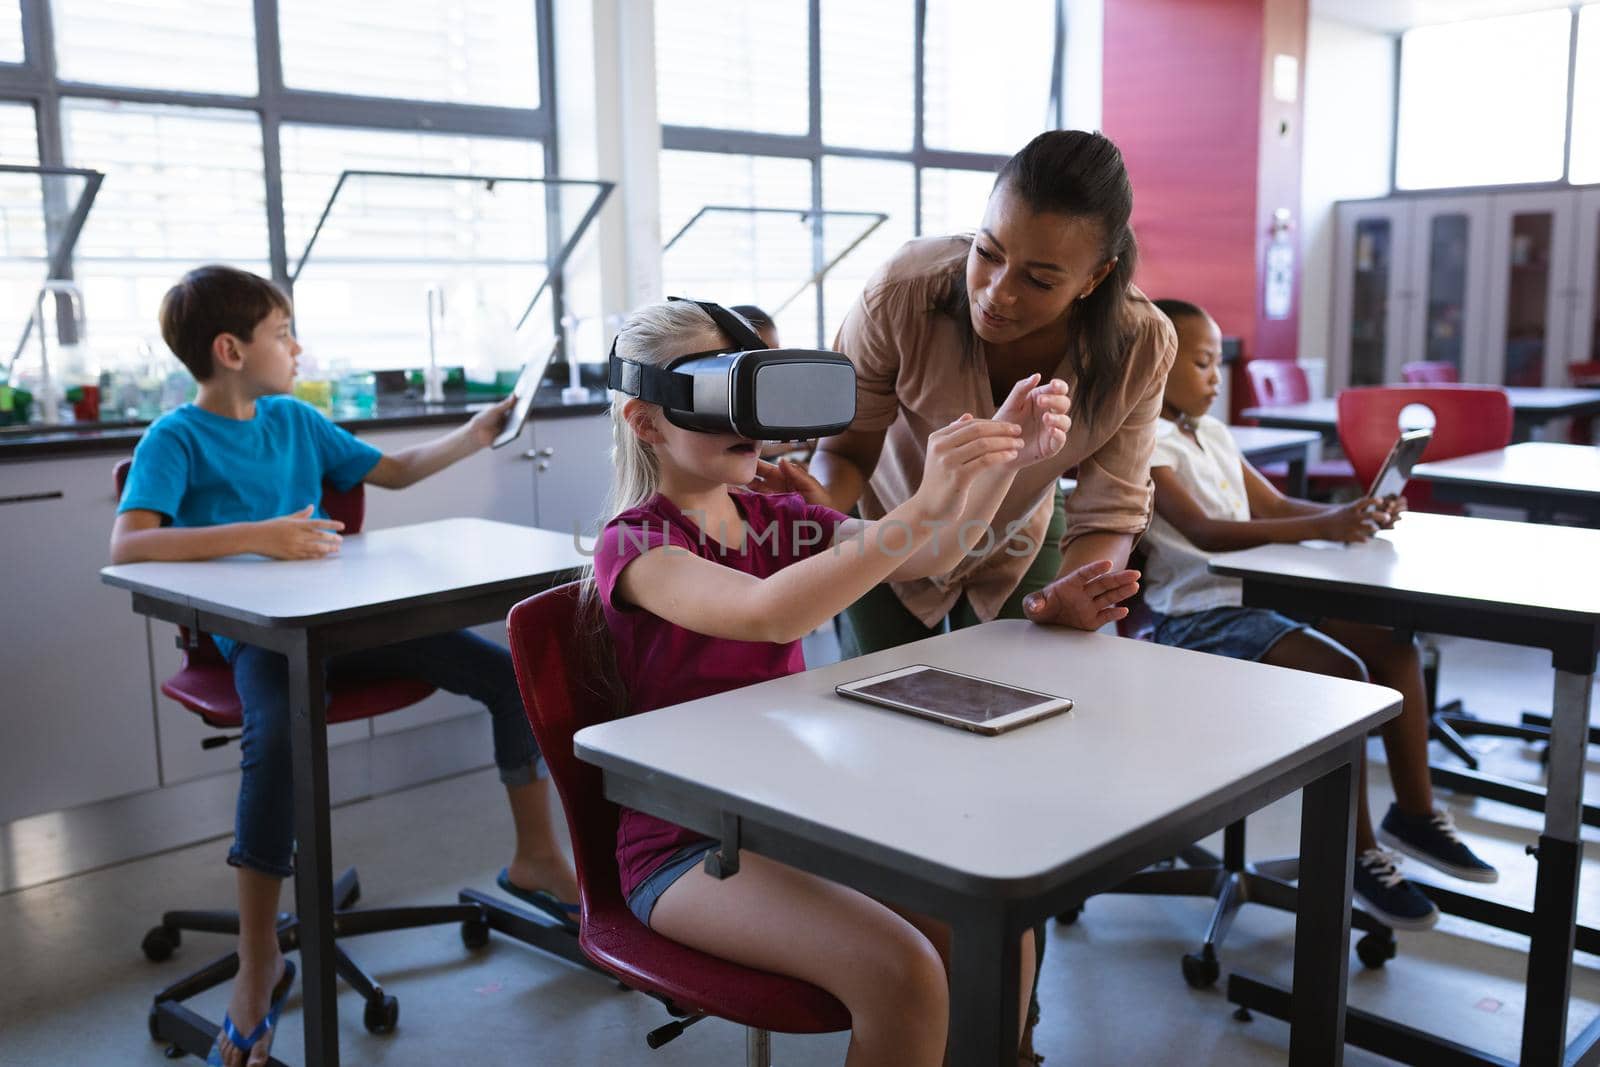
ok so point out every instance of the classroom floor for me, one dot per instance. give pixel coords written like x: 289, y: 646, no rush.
x: 76, y: 988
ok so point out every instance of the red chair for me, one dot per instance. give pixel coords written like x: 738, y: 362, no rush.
x: 1274, y: 382
x: 549, y: 649
x: 1467, y: 419
x: 204, y: 685
x: 1430, y: 372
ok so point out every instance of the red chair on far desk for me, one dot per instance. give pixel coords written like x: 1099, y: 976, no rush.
x: 547, y: 647
x: 1274, y: 382
x: 1430, y: 372
x: 204, y: 685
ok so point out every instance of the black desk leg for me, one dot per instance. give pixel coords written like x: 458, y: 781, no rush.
x: 1322, y: 929
x: 1296, y: 481
x: 983, y: 987
x: 313, y: 884
x: 1555, y: 894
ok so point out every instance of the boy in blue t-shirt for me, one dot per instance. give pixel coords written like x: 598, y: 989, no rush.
x: 241, y: 470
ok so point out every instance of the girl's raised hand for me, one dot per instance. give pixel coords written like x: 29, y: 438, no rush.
x: 958, y: 453
x: 787, y: 476
x: 1041, y: 410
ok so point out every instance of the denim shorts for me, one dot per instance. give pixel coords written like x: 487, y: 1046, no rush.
x: 642, y: 901
x: 1240, y: 633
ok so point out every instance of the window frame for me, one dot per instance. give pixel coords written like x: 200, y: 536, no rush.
x: 812, y: 147
x: 37, y: 81
x: 1574, y: 11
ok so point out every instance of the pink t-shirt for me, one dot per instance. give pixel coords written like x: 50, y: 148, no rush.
x: 662, y: 664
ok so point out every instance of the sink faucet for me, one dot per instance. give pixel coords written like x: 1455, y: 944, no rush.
x: 49, y: 408
x: 432, y: 379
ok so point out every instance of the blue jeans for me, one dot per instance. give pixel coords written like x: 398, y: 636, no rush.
x: 458, y: 662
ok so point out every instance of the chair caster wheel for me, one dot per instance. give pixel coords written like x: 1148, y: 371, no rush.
x: 1243, y: 1015
x: 381, y: 1015
x: 1070, y: 916
x: 161, y: 942
x: 1200, y: 970
x: 173, y: 1052
x: 475, y: 933
x: 1375, y: 950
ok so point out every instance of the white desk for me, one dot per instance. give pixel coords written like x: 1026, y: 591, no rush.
x: 994, y: 834
x: 1484, y: 579
x: 1530, y: 408
x: 385, y: 586
x: 1541, y: 477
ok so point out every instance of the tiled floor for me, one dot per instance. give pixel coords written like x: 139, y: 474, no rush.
x: 74, y: 987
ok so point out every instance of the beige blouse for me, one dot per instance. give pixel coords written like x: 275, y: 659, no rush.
x: 918, y: 369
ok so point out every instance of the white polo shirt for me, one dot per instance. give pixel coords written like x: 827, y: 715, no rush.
x: 1176, y: 581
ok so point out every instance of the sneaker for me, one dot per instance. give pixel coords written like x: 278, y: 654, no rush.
x: 1433, y: 840
x: 1383, y: 891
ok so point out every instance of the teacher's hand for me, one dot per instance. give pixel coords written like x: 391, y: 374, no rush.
x: 1041, y: 410
x: 1086, y: 599
x: 787, y: 476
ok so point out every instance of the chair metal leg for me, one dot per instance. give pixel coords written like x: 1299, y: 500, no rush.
x: 1443, y: 732
x: 757, y: 1048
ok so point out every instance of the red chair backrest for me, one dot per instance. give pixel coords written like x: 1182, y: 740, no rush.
x: 1467, y: 419
x: 349, y: 506
x: 549, y: 648
x: 1430, y: 372
x: 1277, y: 381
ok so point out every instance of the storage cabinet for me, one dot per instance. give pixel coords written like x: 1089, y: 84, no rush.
x: 75, y: 715
x: 1504, y: 286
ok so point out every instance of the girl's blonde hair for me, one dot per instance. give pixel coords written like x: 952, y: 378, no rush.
x: 652, y: 335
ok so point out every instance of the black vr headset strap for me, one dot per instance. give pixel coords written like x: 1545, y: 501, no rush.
x: 732, y: 326
x: 657, y: 385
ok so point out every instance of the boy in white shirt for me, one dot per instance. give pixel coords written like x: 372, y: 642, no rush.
x: 1209, y: 499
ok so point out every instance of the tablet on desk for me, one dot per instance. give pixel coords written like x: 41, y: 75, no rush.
x: 958, y: 700
x: 1396, y: 470
x: 527, y: 384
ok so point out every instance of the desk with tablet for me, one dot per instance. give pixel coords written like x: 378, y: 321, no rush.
x: 1448, y: 575
x: 993, y: 834
x: 382, y: 587
x: 1541, y: 477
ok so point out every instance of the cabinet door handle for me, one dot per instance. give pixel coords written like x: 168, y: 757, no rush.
x: 29, y: 498
x: 539, y: 453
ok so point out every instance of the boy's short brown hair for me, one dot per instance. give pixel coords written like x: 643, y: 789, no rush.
x: 212, y: 300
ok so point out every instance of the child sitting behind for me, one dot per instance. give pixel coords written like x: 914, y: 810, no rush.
x: 1209, y: 499
x: 241, y: 470
x: 705, y: 588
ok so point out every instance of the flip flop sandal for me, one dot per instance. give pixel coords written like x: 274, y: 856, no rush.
x: 245, y: 1042
x: 546, y: 901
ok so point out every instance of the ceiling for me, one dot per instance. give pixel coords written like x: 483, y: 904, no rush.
x: 1395, y: 16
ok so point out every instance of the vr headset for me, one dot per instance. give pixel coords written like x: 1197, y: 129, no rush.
x: 766, y: 394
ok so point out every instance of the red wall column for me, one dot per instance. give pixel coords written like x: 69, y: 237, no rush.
x: 1211, y: 151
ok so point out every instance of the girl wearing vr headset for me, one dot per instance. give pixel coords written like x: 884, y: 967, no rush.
x: 704, y: 589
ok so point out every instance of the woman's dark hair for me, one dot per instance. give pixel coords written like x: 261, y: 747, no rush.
x: 1080, y: 174
x: 1178, y: 309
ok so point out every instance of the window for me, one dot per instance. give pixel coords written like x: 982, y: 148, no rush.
x: 196, y: 45
x: 732, y: 64
x: 465, y: 52
x: 187, y: 190
x: 1483, y: 102
x: 737, y: 97
x: 10, y: 31
x: 243, y: 179
x: 1586, y: 100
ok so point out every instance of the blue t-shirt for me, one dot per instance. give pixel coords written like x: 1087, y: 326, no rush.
x: 196, y: 468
